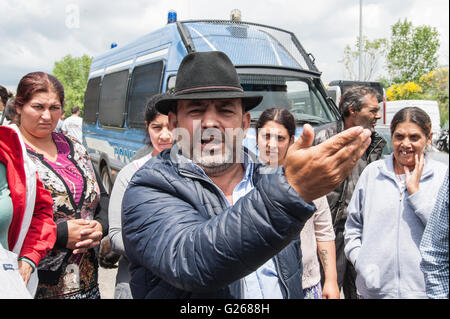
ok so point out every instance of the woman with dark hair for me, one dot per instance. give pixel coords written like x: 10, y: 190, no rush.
x: 160, y: 138
x: 5, y: 98
x: 391, y: 205
x: 273, y: 147
x: 275, y: 134
x: 70, y: 269
x: 10, y: 112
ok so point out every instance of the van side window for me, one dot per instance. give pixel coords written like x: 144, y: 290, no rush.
x: 146, y: 81
x: 112, y: 99
x: 91, y: 101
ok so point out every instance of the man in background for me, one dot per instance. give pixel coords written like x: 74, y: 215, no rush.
x: 58, y: 128
x: 72, y: 126
x: 358, y: 107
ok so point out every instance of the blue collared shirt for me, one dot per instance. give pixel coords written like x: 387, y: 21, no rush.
x: 263, y: 283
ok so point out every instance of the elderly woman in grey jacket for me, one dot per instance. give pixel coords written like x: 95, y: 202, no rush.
x: 389, y: 209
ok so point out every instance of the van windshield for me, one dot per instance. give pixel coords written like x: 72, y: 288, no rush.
x: 247, y: 43
x: 299, y: 96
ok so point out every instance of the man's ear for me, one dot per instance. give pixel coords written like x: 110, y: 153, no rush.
x: 351, y: 111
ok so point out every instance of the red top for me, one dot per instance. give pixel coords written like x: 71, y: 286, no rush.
x: 41, y: 235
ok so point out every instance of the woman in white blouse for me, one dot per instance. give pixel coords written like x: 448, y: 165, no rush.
x: 275, y: 133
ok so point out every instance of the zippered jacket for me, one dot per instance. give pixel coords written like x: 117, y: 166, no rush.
x: 184, y: 241
x: 32, y: 232
x: 384, y: 228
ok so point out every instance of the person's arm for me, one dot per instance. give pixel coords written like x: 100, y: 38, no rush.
x: 101, y: 212
x: 41, y: 235
x: 418, y: 198
x: 115, y: 208
x: 354, y: 223
x: 168, y: 235
x: 26, y: 268
x: 326, y: 249
x: 327, y: 255
x: 64, y: 127
x: 94, y: 230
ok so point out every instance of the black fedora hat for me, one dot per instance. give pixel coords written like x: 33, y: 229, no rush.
x: 207, y: 76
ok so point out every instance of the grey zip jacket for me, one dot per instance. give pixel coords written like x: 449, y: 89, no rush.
x: 384, y: 227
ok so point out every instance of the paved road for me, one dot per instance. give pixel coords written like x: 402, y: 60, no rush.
x: 107, y: 280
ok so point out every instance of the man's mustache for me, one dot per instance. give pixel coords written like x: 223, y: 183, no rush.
x: 211, y: 135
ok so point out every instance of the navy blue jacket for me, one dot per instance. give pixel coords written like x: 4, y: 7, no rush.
x: 184, y: 241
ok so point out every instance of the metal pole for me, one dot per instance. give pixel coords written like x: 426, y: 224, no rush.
x: 360, y: 41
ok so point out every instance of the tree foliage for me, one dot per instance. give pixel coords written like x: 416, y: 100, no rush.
x: 436, y: 87
x: 412, y: 52
x: 73, y: 73
x: 433, y: 85
x: 411, y: 61
x: 372, y: 52
x: 404, y: 91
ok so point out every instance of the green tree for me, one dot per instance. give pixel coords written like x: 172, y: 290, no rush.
x: 73, y: 73
x: 372, y: 52
x: 412, y: 52
x: 431, y: 86
x: 436, y: 87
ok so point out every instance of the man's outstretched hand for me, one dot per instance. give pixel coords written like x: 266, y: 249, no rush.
x: 315, y: 171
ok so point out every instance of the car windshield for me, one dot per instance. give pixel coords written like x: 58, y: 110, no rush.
x: 298, y: 95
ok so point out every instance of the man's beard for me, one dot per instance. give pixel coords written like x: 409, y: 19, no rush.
x: 217, y: 160
x: 212, y: 160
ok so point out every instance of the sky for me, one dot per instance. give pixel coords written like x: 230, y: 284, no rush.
x: 36, y: 33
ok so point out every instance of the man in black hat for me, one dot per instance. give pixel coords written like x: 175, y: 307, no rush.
x: 204, y: 220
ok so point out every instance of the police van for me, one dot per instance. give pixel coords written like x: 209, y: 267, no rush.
x: 270, y: 61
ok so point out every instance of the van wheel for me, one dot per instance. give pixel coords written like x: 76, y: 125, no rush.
x: 106, y: 180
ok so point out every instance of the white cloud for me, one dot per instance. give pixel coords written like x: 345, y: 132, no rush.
x: 35, y: 33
